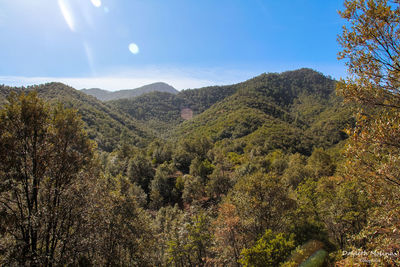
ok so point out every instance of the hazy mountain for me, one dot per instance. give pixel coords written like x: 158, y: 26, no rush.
x: 103, y: 124
x: 105, y: 95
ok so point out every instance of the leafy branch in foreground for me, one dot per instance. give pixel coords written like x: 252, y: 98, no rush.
x: 371, y: 48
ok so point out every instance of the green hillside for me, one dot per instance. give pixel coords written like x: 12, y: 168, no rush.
x: 162, y: 111
x: 248, y: 177
x: 104, y: 124
x: 293, y: 111
x: 301, y: 101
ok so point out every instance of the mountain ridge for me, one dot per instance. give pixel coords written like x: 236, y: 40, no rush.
x: 302, y: 101
x: 103, y: 124
x: 279, y: 111
x: 297, y: 98
x: 105, y: 95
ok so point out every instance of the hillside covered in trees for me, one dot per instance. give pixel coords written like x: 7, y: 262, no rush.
x: 103, y: 124
x: 257, y: 175
x: 163, y: 111
x: 303, y: 99
x: 252, y: 178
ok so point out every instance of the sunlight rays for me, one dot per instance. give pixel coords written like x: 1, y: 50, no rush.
x: 77, y: 11
x: 89, y: 56
x: 67, y: 14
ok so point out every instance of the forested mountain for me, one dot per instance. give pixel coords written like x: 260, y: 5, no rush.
x: 104, y: 125
x: 105, y: 95
x: 300, y: 103
x: 293, y: 111
x: 164, y: 111
x: 244, y: 175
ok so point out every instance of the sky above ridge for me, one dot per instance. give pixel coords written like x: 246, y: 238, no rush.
x: 120, y: 44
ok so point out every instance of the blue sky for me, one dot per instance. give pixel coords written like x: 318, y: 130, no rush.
x: 186, y: 43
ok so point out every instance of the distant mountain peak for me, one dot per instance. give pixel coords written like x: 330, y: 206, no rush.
x: 105, y: 95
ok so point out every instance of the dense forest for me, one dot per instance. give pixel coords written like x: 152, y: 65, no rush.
x: 251, y: 173
x: 285, y: 169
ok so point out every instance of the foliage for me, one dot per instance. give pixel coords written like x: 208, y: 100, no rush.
x: 320, y: 163
x: 262, y: 154
x: 163, y: 189
x: 125, y: 237
x: 338, y: 206
x: 273, y: 111
x: 270, y: 250
x: 102, y: 123
x: 308, y: 253
x: 318, y: 259
x: 193, y: 189
x: 162, y: 110
x: 370, y: 47
x: 44, y: 170
x: 228, y: 235
x: 184, y: 238
x: 219, y: 182
x: 261, y: 202
x: 140, y: 171
x: 296, y: 171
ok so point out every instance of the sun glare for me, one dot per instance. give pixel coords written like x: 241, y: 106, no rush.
x: 66, y: 12
x: 96, y: 3
x: 133, y: 48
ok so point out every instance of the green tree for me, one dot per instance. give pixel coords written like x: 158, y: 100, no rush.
x: 320, y: 164
x: 276, y: 162
x: 44, y: 160
x: 160, y: 153
x: 307, y: 221
x: 331, y: 209
x: 125, y: 236
x: 170, y: 237
x: 201, y: 168
x: 262, y: 202
x: 163, y: 189
x: 270, y: 250
x: 193, y: 188
x: 140, y: 171
x: 190, y: 244
x: 199, y: 237
x: 343, y: 206
x: 220, y: 182
x: 370, y: 45
x: 296, y: 171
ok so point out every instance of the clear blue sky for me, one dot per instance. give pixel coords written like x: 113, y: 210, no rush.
x: 187, y: 43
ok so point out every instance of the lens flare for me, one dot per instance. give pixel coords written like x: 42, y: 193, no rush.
x: 96, y: 3
x: 133, y: 48
x: 67, y: 14
x: 89, y: 55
